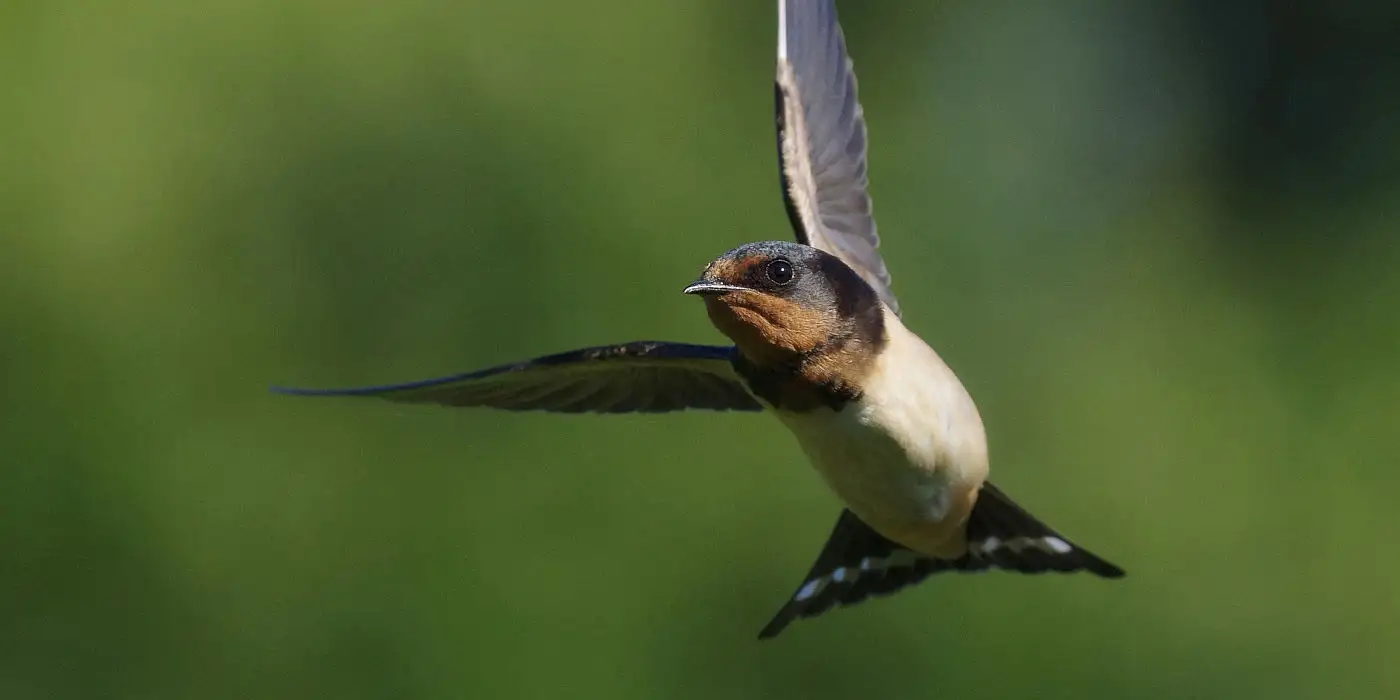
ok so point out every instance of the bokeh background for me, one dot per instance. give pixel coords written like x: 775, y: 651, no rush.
x: 1157, y: 240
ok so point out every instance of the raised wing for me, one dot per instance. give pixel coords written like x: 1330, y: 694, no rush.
x: 821, y: 141
x: 638, y: 377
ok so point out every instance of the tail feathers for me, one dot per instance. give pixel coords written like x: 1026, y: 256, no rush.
x: 858, y: 563
x: 1002, y: 535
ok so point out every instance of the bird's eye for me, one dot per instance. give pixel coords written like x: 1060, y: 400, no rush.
x: 780, y: 271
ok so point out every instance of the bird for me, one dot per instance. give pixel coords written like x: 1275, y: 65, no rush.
x: 817, y: 340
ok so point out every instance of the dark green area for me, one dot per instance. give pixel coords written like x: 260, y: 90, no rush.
x: 1186, y: 354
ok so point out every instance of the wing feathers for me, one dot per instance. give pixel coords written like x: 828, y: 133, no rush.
x: 822, y: 141
x: 638, y: 377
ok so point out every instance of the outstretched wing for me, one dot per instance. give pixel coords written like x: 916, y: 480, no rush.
x: 638, y: 377
x: 821, y: 141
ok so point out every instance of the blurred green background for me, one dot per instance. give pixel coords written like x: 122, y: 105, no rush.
x: 1158, y: 242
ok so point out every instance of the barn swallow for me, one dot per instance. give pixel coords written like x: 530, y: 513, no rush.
x: 818, y: 341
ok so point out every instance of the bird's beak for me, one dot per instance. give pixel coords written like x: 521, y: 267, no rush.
x: 703, y: 286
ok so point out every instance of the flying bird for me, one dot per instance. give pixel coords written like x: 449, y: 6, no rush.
x: 817, y: 341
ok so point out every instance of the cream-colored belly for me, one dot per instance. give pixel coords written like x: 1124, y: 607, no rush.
x: 909, y: 455
x: 872, y: 471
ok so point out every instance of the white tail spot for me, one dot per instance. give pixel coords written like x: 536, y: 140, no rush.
x: 1050, y: 544
x: 851, y: 574
x: 812, y: 588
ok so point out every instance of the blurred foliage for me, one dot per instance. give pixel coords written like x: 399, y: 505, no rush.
x: 1157, y: 241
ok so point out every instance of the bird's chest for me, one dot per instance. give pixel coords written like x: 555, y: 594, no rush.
x: 895, y: 435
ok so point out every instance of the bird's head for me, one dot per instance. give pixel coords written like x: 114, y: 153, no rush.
x: 778, y: 301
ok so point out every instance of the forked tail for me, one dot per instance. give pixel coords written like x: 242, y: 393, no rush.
x: 858, y: 563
